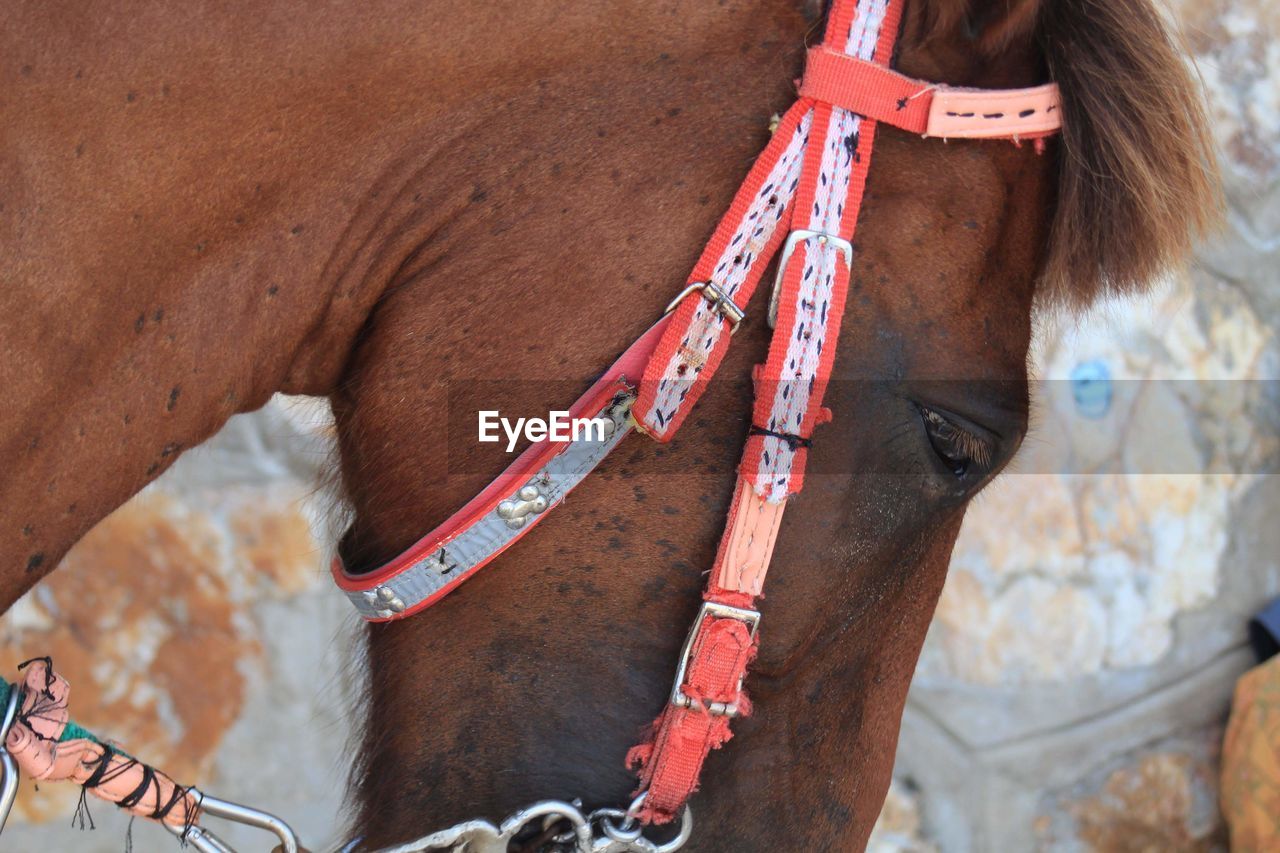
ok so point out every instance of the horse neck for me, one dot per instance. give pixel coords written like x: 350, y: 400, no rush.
x: 186, y: 243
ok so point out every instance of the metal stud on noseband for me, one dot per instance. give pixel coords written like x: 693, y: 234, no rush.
x: 529, y: 501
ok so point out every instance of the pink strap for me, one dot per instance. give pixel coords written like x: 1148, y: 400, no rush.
x: 723, y: 645
x: 930, y: 109
x: 747, y: 544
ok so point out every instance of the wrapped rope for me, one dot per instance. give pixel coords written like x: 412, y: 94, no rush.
x: 48, y: 746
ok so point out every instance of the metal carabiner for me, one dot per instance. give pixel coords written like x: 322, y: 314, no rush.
x: 8, y: 765
x: 204, y: 841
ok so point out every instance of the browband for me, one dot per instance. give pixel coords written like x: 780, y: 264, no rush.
x: 929, y: 109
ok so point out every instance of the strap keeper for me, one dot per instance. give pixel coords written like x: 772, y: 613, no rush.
x: 720, y: 301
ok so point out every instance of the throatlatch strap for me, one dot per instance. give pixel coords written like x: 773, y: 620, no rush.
x: 708, y: 691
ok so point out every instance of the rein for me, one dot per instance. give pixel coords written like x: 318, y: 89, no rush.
x: 800, y: 200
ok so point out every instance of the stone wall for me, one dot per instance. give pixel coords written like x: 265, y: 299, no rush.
x: 1072, y: 691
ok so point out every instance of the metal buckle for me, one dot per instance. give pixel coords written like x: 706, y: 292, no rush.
x: 8, y: 764
x: 722, y: 302
x: 845, y: 247
x: 751, y: 618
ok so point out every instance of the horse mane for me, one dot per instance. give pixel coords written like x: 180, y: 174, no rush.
x: 1138, y: 176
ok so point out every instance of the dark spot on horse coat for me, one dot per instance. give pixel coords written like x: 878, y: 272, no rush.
x: 158, y: 315
x: 173, y: 398
x: 140, y: 323
x: 273, y: 290
x: 478, y: 195
x: 35, y: 561
x: 131, y: 97
x: 295, y: 230
x: 668, y: 547
x: 153, y: 468
x: 27, y: 530
x: 170, y: 449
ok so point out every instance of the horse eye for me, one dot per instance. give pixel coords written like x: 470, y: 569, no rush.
x: 956, y: 447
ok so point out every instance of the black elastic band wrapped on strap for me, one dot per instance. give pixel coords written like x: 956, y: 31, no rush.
x: 795, y: 442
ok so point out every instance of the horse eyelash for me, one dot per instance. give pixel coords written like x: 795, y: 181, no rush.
x: 973, y: 446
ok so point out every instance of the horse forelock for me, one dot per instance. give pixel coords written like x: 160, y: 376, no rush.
x: 1138, y: 176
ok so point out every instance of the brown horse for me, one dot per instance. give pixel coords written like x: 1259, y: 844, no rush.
x: 385, y: 202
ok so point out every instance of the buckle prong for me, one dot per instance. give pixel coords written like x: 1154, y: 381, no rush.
x: 720, y: 301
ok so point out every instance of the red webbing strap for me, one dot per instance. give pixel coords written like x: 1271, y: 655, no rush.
x: 723, y: 641
x: 661, y: 414
x: 867, y: 88
x: 802, y: 353
x: 671, y: 761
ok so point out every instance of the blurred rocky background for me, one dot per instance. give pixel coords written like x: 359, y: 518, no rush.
x: 1076, y: 681
x: 1074, y: 687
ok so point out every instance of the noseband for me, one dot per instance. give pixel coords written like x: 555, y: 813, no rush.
x: 801, y: 197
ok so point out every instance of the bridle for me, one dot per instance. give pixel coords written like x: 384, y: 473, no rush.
x: 802, y: 198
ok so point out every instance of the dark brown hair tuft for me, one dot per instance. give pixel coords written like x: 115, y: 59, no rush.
x: 1138, y: 176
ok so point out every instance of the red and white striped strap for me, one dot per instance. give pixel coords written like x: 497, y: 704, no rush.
x: 847, y: 87
x: 806, y: 187
x: 708, y: 689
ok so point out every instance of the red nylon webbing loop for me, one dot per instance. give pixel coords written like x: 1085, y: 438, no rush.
x: 683, y: 736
